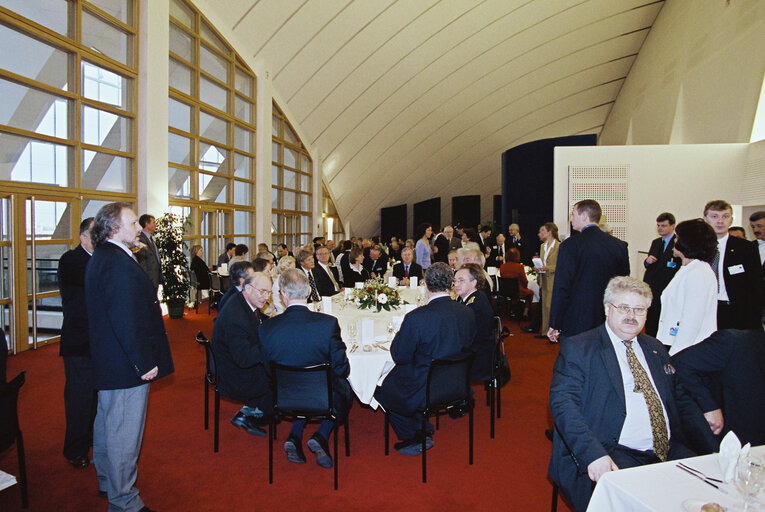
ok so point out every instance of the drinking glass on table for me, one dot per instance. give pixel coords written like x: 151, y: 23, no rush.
x: 352, y: 330
x: 750, y: 478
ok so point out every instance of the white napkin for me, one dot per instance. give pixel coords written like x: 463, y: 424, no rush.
x: 326, y: 305
x: 413, y: 282
x: 347, y: 292
x: 392, y: 282
x: 366, y: 330
x: 730, y: 452
x: 408, y: 308
x: 359, y: 285
x: 492, y: 271
x: 397, y: 321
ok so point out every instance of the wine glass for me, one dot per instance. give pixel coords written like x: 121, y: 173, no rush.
x: 352, y: 330
x: 390, y: 329
x: 750, y: 478
x: 317, y: 306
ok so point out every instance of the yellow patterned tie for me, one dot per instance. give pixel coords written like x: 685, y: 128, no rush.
x: 655, y: 409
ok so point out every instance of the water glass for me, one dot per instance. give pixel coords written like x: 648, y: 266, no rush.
x: 750, y: 478
x: 352, y: 330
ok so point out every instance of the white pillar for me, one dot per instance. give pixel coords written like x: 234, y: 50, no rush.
x: 264, y: 156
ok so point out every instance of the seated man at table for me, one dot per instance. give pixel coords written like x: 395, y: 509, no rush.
x: 236, y: 345
x: 284, y: 341
x: 407, y: 268
x: 327, y: 277
x: 377, y: 263
x: 442, y: 328
x: 614, y: 397
x: 238, y: 272
x: 468, y: 283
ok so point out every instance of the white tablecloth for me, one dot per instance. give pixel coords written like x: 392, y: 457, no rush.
x: 664, y: 487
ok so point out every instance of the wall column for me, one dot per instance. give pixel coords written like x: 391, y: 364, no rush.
x: 264, y: 156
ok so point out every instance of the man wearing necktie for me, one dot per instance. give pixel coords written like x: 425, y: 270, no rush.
x: 614, y: 398
x: 326, y: 277
x: 757, y: 223
x: 148, y: 256
x: 660, y: 267
x: 406, y: 268
x: 307, y: 263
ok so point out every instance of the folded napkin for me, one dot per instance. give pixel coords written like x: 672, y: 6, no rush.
x: 730, y: 452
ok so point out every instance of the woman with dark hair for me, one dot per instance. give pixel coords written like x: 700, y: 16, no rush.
x: 422, y: 250
x: 689, y: 302
x: 513, y: 269
x: 199, y: 267
x: 355, y: 271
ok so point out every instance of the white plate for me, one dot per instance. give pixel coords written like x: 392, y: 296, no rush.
x: 695, y: 505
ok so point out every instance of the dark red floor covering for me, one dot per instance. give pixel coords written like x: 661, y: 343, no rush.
x: 178, y: 470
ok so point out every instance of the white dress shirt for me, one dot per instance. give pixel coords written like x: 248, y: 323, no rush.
x: 722, y: 293
x: 123, y: 247
x: 761, y: 245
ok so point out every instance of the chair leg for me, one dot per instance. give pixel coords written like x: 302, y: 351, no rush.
x: 22, y: 470
x: 207, y: 405
x: 335, y: 456
x: 488, y: 390
x: 554, y: 505
x: 271, y: 427
x: 471, y: 404
x: 386, y: 432
x: 424, y: 451
x: 437, y: 418
x: 499, y: 400
x: 216, y: 421
x: 347, y: 438
x: 492, y: 390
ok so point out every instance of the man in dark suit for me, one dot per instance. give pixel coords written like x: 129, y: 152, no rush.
x: 304, y: 261
x: 79, y: 397
x: 148, y: 256
x: 466, y: 282
x: 456, y: 241
x: 284, y: 341
x: 377, y: 263
x: 407, y: 268
x: 442, y: 242
x: 613, y: 397
x: 226, y: 256
x: 498, y: 252
x: 326, y: 276
x: 757, y: 223
x: 443, y: 328
x: 239, y: 271
x: 236, y: 345
x: 739, y: 272
x: 736, y: 360
x: 484, y: 239
x: 128, y: 347
x: 660, y: 267
x: 586, y: 263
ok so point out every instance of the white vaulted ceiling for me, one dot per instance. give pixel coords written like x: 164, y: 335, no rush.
x: 406, y: 100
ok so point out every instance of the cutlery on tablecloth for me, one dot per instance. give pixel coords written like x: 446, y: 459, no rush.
x: 703, y: 479
x: 686, y: 466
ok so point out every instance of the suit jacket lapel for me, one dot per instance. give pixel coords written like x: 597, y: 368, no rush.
x: 611, y: 363
x: 656, y: 367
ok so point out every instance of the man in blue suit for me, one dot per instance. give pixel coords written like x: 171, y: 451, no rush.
x: 586, y: 263
x: 300, y: 337
x: 442, y: 328
x: 128, y: 347
x: 614, y: 398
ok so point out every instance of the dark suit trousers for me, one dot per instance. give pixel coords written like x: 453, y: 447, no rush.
x: 80, y: 406
x: 260, y: 394
x: 406, y: 427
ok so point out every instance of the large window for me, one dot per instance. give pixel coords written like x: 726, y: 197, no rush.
x: 333, y: 228
x: 291, y: 185
x: 211, y: 133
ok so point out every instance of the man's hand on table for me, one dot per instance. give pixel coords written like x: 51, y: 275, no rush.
x: 601, y: 466
x: 715, y: 420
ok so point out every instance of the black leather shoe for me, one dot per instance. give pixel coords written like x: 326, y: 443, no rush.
x: 146, y: 509
x: 540, y: 337
x: 413, y: 447
x: 318, y: 445
x: 80, y: 462
x: 529, y: 329
x: 458, y: 411
x: 293, y: 447
x: 102, y: 494
x: 240, y: 420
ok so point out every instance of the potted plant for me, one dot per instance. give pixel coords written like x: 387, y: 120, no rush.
x: 168, y: 238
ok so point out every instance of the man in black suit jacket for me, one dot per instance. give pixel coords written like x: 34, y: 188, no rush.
x: 595, y: 405
x: 284, y: 341
x: 377, y: 263
x: 148, y: 256
x: 660, y: 267
x: 735, y: 360
x: 239, y: 271
x: 484, y: 239
x: 407, y: 268
x: 466, y: 282
x: 443, y: 328
x: 739, y: 272
x: 757, y: 223
x: 236, y: 345
x: 586, y: 263
x: 128, y: 347
x: 226, y: 255
x: 74, y: 347
x: 326, y: 276
x: 498, y: 252
x: 442, y: 242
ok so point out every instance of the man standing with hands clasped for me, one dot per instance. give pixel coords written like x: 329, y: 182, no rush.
x: 129, y: 348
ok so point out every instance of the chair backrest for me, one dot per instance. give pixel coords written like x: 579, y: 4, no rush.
x: 214, y: 281
x: 302, y: 391
x: 448, y: 381
x: 210, y: 366
x: 3, y: 355
x: 508, y: 287
x: 9, y: 417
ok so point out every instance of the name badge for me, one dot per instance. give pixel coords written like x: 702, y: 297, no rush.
x: 735, y: 269
x: 673, y: 331
x: 671, y: 264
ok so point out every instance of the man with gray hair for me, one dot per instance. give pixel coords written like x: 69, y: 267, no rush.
x: 442, y: 328
x: 283, y: 340
x: 614, y: 397
x: 441, y: 243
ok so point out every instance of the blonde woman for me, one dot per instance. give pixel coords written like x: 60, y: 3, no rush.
x: 548, y: 253
x: 286, y: 262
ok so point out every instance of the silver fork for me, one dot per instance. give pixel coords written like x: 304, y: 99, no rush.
x: 686, y: 466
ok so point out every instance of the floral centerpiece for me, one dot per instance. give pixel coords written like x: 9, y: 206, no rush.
x: 168, y: 238
x: 377, y: 295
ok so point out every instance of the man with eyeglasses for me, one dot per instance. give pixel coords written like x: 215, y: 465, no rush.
x: 614, y: 398
x: 236, y: 345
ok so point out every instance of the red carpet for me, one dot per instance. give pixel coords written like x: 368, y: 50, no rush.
x: 178, y: 470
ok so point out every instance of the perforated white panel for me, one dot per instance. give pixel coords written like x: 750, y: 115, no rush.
x: 753, y: 185
x: 609, y: 186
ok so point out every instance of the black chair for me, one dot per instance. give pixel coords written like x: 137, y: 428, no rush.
x: 211, y: 379
x: 493, y: 386
x: 10, y: 432
x: 215, y: 292
x: 448, y: 386
x: 549, y: 434
x: 509, y: 295
x: 303, y: 393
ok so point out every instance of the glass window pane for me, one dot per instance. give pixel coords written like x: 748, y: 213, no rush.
x: 209, y: 35
x: 246, y: 240
x: 46, y: 266
x: 290, y: 157
x: 243, y: 223
x: 242, y: 138
x: 102, y: 171
x: 290, y: 200
x: 180, y: 77
x: 38, y: 61
x: 290, y: 136
x: 305, y: 202
x: 275, y: 203
x: 33, y: 110
x: 54, y: 15
x: 243, y: 109
x: 243, y: 82
x: 213, y: 158
x: 242, y: 193
x: 213, y: 64
x: 106, y: 129
x: 90, y: 207
x: 182, y: 13
x: 120, y: 9
x: 33, y: 161
x: 276, y: 122
x: 275, y: 173
x: 179, y: 149
x: 212, y: 94
x: 305, y: 183
x: 53, y: 220
x: 179, y: 183
x: 213, y: 128
x: 107, y: 39
x: 305, y: 224
x: 181, y: 43
x: 306, y: 164
x: 102, y: 85
x: 243, y: 166
x: 275, y: 152
x: 290, y: 179
x: 179, y: 115
x: 276, y: 223
x: 184, y: 212
x: 213, y: 188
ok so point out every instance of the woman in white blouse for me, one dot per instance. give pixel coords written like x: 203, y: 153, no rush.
x: 689, y: 302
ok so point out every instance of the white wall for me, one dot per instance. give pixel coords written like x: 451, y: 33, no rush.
x: 675, y: 178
